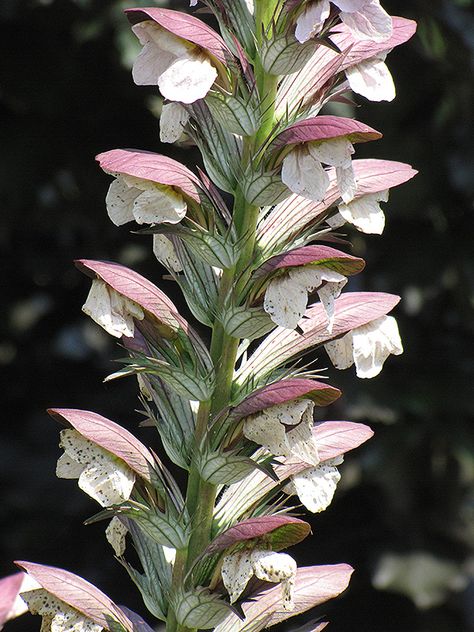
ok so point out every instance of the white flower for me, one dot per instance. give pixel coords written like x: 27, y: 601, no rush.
x: 165, y: 252
x: 57, y: 616
x: 182, y: 71
x: 368, y: 346
x: 366, y: 19
x: 173, y: 120
x: 144, y: 201
x: 269, y: 428
x: 365, y: 212
x: 303, y: 173
x: 238, y: 568
x: 372, y: 79
x: 286, y: 297
x: 111, y: 310
x: 115, y: 534
x: 337, y: 153
x: 310, y: 22
x: 316, y: 486
x: 102, y: 476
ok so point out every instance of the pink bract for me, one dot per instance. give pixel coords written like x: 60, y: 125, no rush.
x: 314, y: 585
x: 183, y: 25
x: 150, y: 166
x: 78, y: 593
x: 282, y: 531
x: 108, y: 435
x: 284, y: 391
x: 326, y: 127
x: 324, y: 255
x: 9, y: 589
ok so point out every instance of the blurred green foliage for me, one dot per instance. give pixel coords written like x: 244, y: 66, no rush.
x: 65, y: 95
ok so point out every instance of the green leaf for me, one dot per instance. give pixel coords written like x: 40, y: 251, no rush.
x: 175, y: 422
x: 221, y: 150
x: 233, y: 114
x: 152, y: 558
x: 214, y: 169
x: 201, y: 609
x: 284, y: 55
x: 224, y: 469
x: 162, y: 527
x: 265, y: 189
x: 186, y: 383
x: 242, y: 24
x: 246, y: 322
x: 199, y: 284
x: 212, y: 248
x: 151, y: 592
x: 192, y: 387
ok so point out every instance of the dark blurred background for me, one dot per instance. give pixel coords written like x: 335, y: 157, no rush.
x: 404, y: 513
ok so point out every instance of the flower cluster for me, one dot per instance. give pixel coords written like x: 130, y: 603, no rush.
x: 239, y: 423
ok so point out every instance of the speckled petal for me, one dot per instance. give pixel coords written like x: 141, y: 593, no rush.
x: 68, y: 468
x: 268, y: 432
x: 313, y: 278
x: 80, y: 449
x: 316, y: 486
x: 277, y: 567
x: 302, y: 443
x: 327, y: 295
x: 341, y: 351
x: 172, y: 122
x: 164, y: 251
x: 115, y: 534
x: 159, y: 205
x: 57, y: 616
x: 109, y: 482
x: 236, y: 572
x: 269, y: 428
x: 285, y: 301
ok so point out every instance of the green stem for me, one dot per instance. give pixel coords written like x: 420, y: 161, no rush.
x: 176, y: 583
x: 201, y: 495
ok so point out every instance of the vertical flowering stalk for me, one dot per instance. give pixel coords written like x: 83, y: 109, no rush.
x: 237, y: 415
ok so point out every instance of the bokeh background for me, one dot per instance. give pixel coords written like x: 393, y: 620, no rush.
x: 404, y: 515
